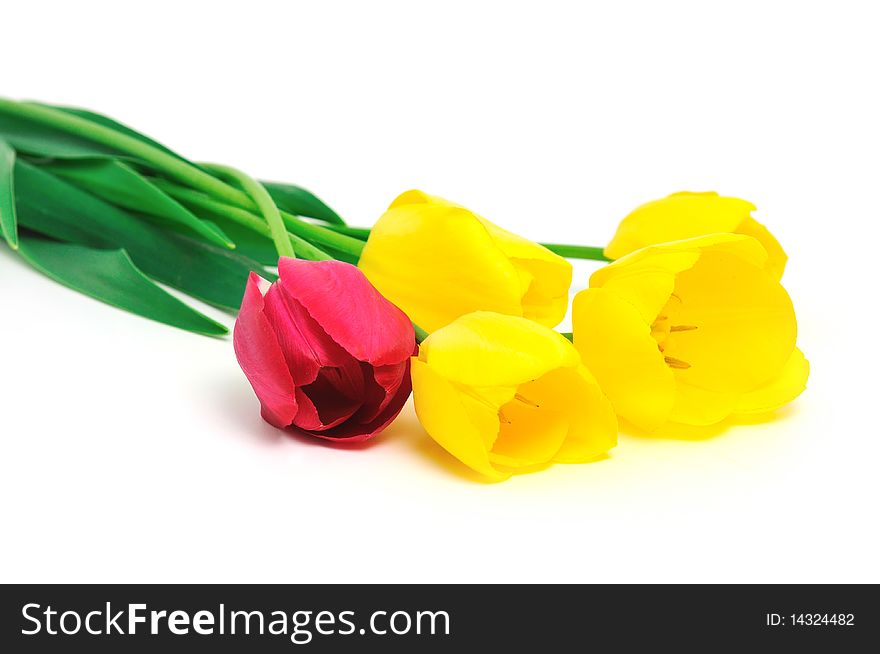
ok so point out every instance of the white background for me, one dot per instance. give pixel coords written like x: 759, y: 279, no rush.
x: 130, y: 451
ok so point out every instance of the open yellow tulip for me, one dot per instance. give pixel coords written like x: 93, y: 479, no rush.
x: 502, y: 393
x: 690, y: 332
x: 687, y: 215
x: 438, y: 261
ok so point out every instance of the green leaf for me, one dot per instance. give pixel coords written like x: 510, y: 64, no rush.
x: 209, y: 207
x: 43, y: 141
x: 343, y: 256
x: 110, y: 276
x: 76, y: 127
x: 300, y: 202
x: 51, y: 206
x: 361, y: 233
x: 8, y: 221
x: 106, y: 121
x: 248, y: 243
x: 116, y: 182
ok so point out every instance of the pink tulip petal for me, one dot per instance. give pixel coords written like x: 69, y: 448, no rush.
x: 261, y: 359
x: 334, y: 396
x: 307, y: 417
x: 354, y: 432
x: 347, y: 379
x: 358, y: 318
x: 333, y: 407
x: 384, y: 382
x: 306, y: 346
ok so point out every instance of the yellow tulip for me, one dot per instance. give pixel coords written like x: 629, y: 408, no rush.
x: 438, y: 261
x: 687, y: 215
x: 690, y: 332
x: 502, y: 394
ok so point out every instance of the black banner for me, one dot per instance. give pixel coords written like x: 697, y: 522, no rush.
x: 279, y: 618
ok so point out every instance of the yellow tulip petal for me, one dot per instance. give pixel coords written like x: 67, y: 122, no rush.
x: 646, y: 278
x: 791, y: 382
x: 699, y: 407
x: 592, y: 422
x: 415, y: 196
x: 437, y: 261
x: 537, y: 420
x: 502, y: 393
x: 482, y: 405
x: 440, y: 410
x: 562, y: 416
x: 491, y: 349
x: 529, y: 435
x: 545, y: 298
x: 616, y: 346
x: 679, y: 216
x: 517, y: 247
x: 739, y: 324
x: 776, y: 257
x: 745, y: 247
x: 646, y: 283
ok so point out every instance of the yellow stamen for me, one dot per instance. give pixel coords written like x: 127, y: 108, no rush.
x: 678, y: 364
x: 682, y: 328
x: 526, y: 400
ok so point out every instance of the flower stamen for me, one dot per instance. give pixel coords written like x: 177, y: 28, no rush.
x: 525, y: 400
x: 678, y: 364
x: 682, y: 328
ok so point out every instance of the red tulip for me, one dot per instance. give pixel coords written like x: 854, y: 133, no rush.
x: 324, y: 351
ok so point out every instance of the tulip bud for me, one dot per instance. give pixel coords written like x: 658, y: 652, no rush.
x: 504, y: 394
x: 690, y: 332
x: 324, y: 351
x: 438, y: 261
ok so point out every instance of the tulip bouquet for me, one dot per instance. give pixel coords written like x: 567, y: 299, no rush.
x: 338, y: 325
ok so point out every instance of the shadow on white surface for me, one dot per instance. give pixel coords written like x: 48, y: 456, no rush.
x: 681, y: 432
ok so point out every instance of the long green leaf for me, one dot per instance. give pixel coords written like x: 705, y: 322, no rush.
x: 122, y: 144
x: 266, y: 206
x: 248, y: 243
x: 8, y: 221
x: 215, y: 210
x: 362, y: 233
x: 291, y: 198
x: 106, y: 121
x: 300, y: 202
x: 119, y: 183
x: 343, y: 256
x: 53, y: 207
x: 250, y: 233
x: 43, y: 141
x: 110, y: 276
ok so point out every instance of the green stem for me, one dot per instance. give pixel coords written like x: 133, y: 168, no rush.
x: 264, y: 203
x: 168, y: 164
x: 194, y: 199
x: 323, y: 235
x: 362, y: 233
x: 568, y: 335
x: 172, y: 167
x: 421, y: 334
x: 563, y: 250
x: 577, y: 251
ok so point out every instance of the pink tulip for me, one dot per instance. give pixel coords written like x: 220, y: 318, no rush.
x: 324, y: 351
